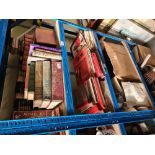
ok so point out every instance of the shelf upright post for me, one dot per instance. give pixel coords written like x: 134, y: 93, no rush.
x: 3, y: 56
x: 68, y: 89
x: 112, y: 93
x: 3, y: 31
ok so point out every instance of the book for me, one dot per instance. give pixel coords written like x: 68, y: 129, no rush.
x: 26, y: 82
x: 46, y: 36
x: 38, y: 94
x: 22, y: 105
x: 98, y: 94
x: 82, y: 66
x: 31, y: 84
x: 32, y: 114
x: 45, y: 54
x: 46, y: 84
x: 57, y: 96
x: 98, y: 71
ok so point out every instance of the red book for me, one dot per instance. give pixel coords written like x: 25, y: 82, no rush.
x: 82, y: 66
x: 32, y: 114
x: 57, y: 84
x: 97, y: 67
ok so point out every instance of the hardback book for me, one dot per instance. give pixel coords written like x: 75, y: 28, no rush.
x: 44, y: 54
x: 27, y: 42
x: 90, y: 91
x: 97, y: 67
x: 99, y: 95
x: 57, y: 95
x: 31, y: 84
x: 26, y: 82
x: 23, y: 105
x: 43, y: 48
x: 107, y: 96
x: 34, y: 59
x: 38, y: 94
x: 82, y: 66
x: 32, y: 114
x: 46, y: 36
x: 46, y: 84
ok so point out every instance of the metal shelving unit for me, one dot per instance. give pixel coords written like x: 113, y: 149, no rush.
x: 73, y: 122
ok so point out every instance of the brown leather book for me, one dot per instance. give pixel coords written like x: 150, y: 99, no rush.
x: 32, y: 114
x: 38, y: 94
x: 57, y: 84
x: 46, y: 36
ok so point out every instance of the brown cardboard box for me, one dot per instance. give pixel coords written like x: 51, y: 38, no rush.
x: 121, y: 62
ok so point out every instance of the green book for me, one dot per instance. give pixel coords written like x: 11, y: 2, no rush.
x: 38, y: 94
x: 31, y: 85
x: 46, y: 84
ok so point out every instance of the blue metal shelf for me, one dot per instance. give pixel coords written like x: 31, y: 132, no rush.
x: 73, y: 122
x: 55, y: 124
x: 3, y: 31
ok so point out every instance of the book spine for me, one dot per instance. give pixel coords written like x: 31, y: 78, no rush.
x: 57, y: 84
x: 98, y: 94
x: 46, y: 84
x: 97, y: 67
x: 31, y: 81
x: 26, y: 82
x: 32, y: 114
x: 46, y: 55
x: 38, y: 94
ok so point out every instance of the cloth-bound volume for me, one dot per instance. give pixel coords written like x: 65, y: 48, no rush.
x: 32, y: 114
x: 31, y: 84
x: 57, y: 96
x: 26, y: 82
x: 82, y: 65
x: 46, y: 36
x: 97, y: 67
x: 46, y: 84
x: 38, y: 94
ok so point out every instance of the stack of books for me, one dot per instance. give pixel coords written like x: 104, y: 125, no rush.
x: 91, y: 95
x: 40, y: 87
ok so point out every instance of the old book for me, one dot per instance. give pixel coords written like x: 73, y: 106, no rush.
x: 99, y: 97
x: 107, y: 96
x: 32, y: 114
x: 38, y: 94
x: 31, y: 84
x: 57, y: 96
x: 22, y: 105
x: 46, y: 36
x: 34, y: 59
x: 44, y: 54
x: 26, y: 82
x: 82, y: 66
x: 46, y: 84
x: 97, y: 67
x: 43, y: 48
